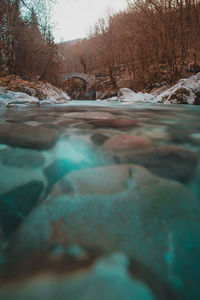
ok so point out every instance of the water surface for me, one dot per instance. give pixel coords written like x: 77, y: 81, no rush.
x: 99, y: 189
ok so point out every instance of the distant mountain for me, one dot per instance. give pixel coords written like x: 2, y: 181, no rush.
x: 71, y: 42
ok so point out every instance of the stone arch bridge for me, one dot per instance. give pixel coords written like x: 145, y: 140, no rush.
x: 89, y: 79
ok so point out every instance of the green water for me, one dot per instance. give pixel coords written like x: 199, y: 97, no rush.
x: 88, y: 181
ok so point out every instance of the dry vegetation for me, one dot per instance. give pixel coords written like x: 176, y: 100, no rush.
x: 26, y: 42
x: 151, y: 43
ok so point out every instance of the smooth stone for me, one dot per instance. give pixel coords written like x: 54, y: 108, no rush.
x: 3, y: 147
x: 176, y: 137
x: 58, y: 169
x: 32, y: 123
x: 126, y: 142
x: 17, y: 203
x: 99, y: 138
x: 21, y: 158
x: 63, y: 186
x: 89, y: 115
x: 155, y: 133
x: 87, y: 181
x: 51, y: 118
x: 81, y: 125
x: 58, y: 260
x: 123, y: 208
x: 67, y: 123
x: 25, y: 136
x: 108, y: 279
x: 14, y: 177
x: 195, y: 138
x: 1, y: 240
x: 172, y: 162
x: 114, y: 123
x: 186, y: 129
x: 51, y: 125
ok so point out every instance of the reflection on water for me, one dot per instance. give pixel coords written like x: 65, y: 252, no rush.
x: 104, y: 197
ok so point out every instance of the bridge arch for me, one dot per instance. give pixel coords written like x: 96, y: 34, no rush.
x: 89, y: 79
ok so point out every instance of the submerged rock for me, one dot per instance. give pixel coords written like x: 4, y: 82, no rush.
x: 108, y: 279
x: 123, y: 208
x: 172, y: 162
x: 17, y: 203
x: 114, y: 123
x: 25, y: 136
x: 58, y: 169
x: 99, y: 138
x: 176, y: 137
x: 195, y: 138
x: 87, y: 115
x: 22, y: 158
x: 126, y: 143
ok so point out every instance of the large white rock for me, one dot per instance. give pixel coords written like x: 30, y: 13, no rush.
x: 127, y: 95
x: 48, y: 92
x: 51, y: 92
x: 186, y: 91
x: 8, y: 97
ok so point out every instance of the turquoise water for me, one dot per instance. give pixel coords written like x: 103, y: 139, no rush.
x: 102, y: 196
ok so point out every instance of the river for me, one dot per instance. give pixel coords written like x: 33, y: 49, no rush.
x: 104, y: 196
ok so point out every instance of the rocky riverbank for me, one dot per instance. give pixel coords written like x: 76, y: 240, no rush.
x: 16, y: 91
x: 186, y: 91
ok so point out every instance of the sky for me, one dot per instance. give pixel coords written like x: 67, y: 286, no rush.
x: 73, y: 18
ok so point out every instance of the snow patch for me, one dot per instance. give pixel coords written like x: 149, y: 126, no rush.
x: 53, y: 93
x: 16, y: 98
x: 127, y: 95
x: 186, y: 91
x: 10, y: 98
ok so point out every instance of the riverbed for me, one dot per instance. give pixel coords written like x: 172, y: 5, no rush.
x: 100, y: 200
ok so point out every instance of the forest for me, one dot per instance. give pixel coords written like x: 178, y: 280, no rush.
x: 149, y: 44
x: 27, y: 46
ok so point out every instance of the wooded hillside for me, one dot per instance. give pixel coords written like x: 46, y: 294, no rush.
x: 151, y: 43
x: 26, y: 43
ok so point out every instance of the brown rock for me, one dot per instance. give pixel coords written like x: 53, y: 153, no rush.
x: 126, y: 142
x: 25, y: 136
x: 16, y: 204
x: 180, y: 96
x: 123, y: 208
x: 114, y: 123
x: 195, y: 138
x: 99, y: 138
x: 87, y: 115
x: 173, y: 162
x: 85, y: 276
x: 21, y: 158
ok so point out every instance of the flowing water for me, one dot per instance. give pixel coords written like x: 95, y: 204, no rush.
x: 100, y: 200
